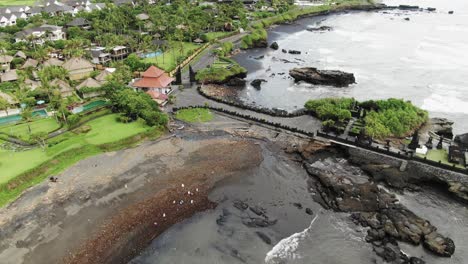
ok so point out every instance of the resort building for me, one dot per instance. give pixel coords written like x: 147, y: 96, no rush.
x: 64, y: 88
x: 89, y: 93
x: 99, y: 55
x: 102, y: 77
x: 9, y: 76
x: 80, y: 22
x: 119, y: 53
x: 154, y: 79
x: 52, y: 62
x: 78, y: 68
x: 38, y: 35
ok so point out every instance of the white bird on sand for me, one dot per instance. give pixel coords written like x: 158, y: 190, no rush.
x: 164, y: 215
x: 183, y: 185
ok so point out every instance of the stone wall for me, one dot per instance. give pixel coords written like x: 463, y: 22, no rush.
x: 387, y: 168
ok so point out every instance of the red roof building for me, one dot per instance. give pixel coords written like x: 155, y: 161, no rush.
x: 154, y: 78
x: 160, y: 98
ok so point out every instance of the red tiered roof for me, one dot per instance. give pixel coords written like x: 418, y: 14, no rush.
x: 157, y: 96
x: 153, y: 77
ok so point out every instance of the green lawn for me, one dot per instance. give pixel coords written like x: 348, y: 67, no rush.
x: 16, y: 2
x: 103, y: 130
x: 168, y: 61
x: 22, y: 130
x: 194, y: 115
x: 439, y: 154
x: 217, y: 35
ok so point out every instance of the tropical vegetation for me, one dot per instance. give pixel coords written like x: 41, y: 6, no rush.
x: 384, y: 118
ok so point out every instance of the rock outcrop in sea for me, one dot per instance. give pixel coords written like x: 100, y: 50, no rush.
x: 323, y: 77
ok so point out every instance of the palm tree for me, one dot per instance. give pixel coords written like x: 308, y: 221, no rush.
x: 4, y: 105
x: 27, y: 115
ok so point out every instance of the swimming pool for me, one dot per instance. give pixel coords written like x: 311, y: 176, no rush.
x: 17, y: 117
x: 89, y: 106
x: 152, y: 54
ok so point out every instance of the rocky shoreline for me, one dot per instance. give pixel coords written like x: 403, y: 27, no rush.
x: 344, y: 188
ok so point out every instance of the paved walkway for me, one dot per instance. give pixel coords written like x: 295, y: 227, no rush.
x: 191, y: 97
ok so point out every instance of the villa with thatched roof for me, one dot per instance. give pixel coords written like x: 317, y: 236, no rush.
x: 9, y: 76
x: 30, y: 63
x: 20, y: 54
x: 64, y: 88
x: 102, y: 77
x: 5, y: 62
x: 52, y: 62
x: 32, y: 85
x: 78, y: 68
x: 94, y: 88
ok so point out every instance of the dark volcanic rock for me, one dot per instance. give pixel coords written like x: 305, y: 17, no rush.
x: 284, y: 51
x: 414, y: 260
x: 258, y: 222
x: 240, y: 205
x: 294, y: 52
x: 324, y: 77
x: 450, y: 12
x: 431, y: 9
x: 439, y: 244
x: 264, y: 237
x: 407, y: 18
x: 259, y: 57
x: 236, y: 81
x: 442, y: 127
x: 258, y: 210
x: 344, y: 188
x: 274, y: 45
x: 321, y: 28
x: 309, y: 211
x: 257, y: 83
x: 462, y: 140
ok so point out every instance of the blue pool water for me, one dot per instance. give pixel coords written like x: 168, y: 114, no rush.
x: 16, y: 118
x: 152, y: 54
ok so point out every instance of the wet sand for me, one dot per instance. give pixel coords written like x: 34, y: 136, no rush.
x: 107, y: 208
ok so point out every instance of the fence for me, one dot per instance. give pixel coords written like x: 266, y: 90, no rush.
x: 398, y: 155
x: 189, y: 59
x: 252, y: 118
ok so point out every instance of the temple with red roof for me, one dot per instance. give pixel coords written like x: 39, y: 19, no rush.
x: 154, y: 79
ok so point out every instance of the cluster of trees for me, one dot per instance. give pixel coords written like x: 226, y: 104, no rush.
x: 224, y: 50
x: 335, y: 109
x: 392, y: 117
x: 254, y: 39
x: 134, y: 105
x: 384, y: 118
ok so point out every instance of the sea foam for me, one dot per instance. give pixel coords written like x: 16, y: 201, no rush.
x: 286, y: 249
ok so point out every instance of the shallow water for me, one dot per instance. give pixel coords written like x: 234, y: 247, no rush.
x: 275, y: 185
x: 424, y: 60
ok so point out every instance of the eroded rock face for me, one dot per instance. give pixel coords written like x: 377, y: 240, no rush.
x: 323, y: 77
x: 346, y: 188
x: 442, y: 127
x: 462, y: 140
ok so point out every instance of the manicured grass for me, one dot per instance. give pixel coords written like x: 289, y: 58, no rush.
x: 34, y: 165
x: 439, y: 155
x: 21, y: 131
x: 168, y: 60
x: 194, y: 115
x: 16, y: 2
x: 106, y: 129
